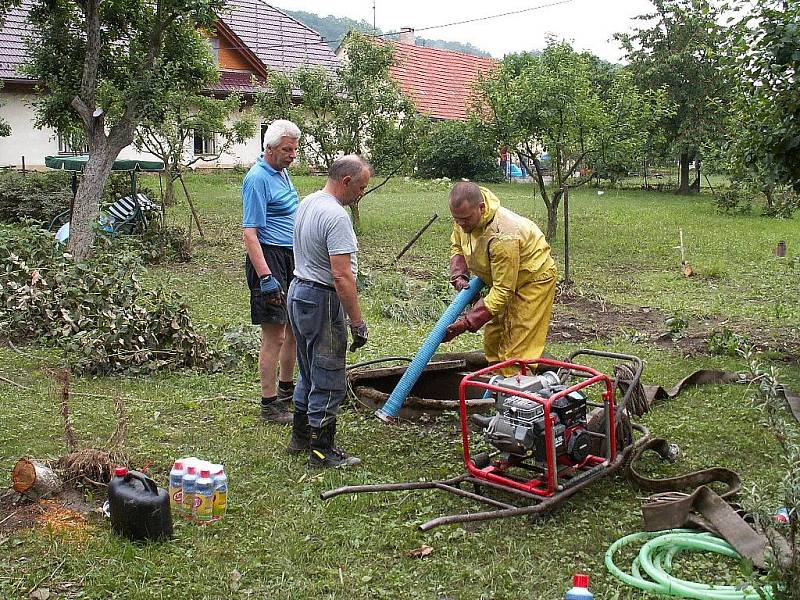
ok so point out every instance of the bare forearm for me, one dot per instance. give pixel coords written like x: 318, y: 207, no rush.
x: 253, y: 248
x: 345, y: 285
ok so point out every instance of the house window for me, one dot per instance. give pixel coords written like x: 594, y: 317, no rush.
x: 214, y: 44
x: 72, y: 145
x: 204, y: 143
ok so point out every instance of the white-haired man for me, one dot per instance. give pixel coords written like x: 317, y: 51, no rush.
x: 269, y: 204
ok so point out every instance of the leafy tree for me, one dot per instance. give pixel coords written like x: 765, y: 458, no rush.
x: 765, y: 62
x: 166, y: 133
x: 459, y: 149
x: 105, y: 66
x: 548, y: 103
x: 356, y: 108
x: 679, y: 52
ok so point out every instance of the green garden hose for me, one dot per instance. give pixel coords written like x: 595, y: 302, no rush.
x: 655, y: 558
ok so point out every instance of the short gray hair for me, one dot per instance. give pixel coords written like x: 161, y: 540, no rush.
x: 279, y: 129
x: 465, y: 191
x: 349, y: 164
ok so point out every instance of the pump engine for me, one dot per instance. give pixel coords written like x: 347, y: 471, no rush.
x: 517, y: 429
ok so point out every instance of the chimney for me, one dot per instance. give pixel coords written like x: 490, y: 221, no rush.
x: 407, y: 35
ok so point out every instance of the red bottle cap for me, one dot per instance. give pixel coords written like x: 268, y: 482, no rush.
x: 120, y: 471
x: 579, y: 580
x: 205, y: 473
x: 192, y: 470
x: 178, y: 465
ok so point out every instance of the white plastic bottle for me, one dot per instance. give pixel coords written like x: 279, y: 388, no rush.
x: 203, y: 505
x: 176, y: 487
x: 580, y: 588
x: 220, y: 494
x: 189, y: 488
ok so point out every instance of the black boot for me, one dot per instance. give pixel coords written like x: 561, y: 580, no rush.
x: 324, y: 453
x: 301, y: 434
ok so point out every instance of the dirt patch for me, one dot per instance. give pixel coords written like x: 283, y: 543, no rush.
x: 67, y: 511
x: 580, y: 318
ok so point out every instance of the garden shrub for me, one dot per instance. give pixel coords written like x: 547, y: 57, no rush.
x: 458, y: 150
x: 735, y: 200
x: 785, y: 202
x: 39, y: 196
x: 97, y: 311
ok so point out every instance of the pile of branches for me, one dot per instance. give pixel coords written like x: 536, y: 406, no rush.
x: 97, y: 311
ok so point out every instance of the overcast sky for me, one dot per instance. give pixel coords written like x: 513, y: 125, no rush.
x: 588, y: 24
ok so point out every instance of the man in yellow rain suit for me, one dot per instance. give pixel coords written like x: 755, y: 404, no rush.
x: 510, y: 254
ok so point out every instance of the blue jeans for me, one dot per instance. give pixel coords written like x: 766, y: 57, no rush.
x: 318, y: 323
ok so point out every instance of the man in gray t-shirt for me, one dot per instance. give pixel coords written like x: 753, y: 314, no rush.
x: 323, y: 291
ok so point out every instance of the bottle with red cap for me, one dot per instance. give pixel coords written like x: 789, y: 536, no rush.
x: 580, y: 588
x: 176, y: 487
x: 189, y: 487
x: 204, y: 494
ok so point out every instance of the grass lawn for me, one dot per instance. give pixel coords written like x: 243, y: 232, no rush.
x: 280, y: 541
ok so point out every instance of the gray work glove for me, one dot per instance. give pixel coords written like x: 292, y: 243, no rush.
x: 360, y: 335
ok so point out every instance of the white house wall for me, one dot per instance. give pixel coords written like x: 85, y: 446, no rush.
x: 34, y: 144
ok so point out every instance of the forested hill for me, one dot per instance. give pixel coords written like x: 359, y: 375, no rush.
x: 333, y: 29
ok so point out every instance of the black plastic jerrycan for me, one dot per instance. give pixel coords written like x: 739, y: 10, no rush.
x: 139, y: 509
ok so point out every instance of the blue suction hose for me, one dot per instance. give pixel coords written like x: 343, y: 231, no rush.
x: 426, y: 351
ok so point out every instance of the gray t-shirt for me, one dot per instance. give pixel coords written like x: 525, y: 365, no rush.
x: 322, y: 229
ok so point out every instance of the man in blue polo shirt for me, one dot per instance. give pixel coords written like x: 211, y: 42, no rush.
x: 270, y: 202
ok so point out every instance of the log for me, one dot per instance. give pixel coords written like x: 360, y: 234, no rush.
x: 32, y: 477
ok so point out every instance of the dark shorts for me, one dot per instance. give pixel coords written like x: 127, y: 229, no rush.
x: 280, y: 261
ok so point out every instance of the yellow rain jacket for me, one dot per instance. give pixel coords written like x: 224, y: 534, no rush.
x: 510, y: 254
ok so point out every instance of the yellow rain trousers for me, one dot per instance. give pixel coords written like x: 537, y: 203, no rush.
x: 510, y: 254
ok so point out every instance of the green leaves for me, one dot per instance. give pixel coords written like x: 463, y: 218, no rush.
x: 97, y: 311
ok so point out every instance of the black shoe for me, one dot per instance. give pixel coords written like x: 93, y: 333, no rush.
x: 301, y: 434
x: 276, y: 411
x: 324, y: 454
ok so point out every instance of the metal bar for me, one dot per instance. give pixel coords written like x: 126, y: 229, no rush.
x: 473, y: 496
x: 566, y: 235
x: 391, y: 487
x: 416, y: 236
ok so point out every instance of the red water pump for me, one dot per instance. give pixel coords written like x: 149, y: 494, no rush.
x: 541, y: 440
x: 556, y: 428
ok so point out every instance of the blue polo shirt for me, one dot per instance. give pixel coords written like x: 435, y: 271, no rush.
x: 269, y: 203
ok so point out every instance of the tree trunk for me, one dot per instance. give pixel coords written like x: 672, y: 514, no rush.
x: 169, y: 187
x: 552, y: 215
x: 356, y: 216
x: 84, y: 214
x: 683, y: 186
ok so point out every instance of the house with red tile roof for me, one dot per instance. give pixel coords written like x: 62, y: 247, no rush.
x: 251, y: 39
x: 439, y: 82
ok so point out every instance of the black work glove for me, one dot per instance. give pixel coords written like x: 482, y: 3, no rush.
x: 271, y: 290
x: 360, y: 335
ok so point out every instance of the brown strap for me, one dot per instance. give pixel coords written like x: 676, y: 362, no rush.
x: 703, y: 507
x: 701, y: 377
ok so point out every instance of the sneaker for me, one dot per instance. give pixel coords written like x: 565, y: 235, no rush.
x: 276, y: 412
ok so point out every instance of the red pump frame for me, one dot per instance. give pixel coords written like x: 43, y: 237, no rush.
x: 547, y: 485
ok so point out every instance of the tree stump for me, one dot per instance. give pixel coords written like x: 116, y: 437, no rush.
x: 34, y: 478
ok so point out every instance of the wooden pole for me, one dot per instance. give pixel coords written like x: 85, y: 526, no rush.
x: 191, y: 207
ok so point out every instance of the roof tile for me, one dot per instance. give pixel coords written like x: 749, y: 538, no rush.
x: 438, y: 81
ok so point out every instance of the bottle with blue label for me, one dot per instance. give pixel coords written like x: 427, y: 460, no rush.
x: 204, y: 494
x: 580, y: 588
x: 220, y: 494
x: 189, y: 487
x: 176, y: 487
